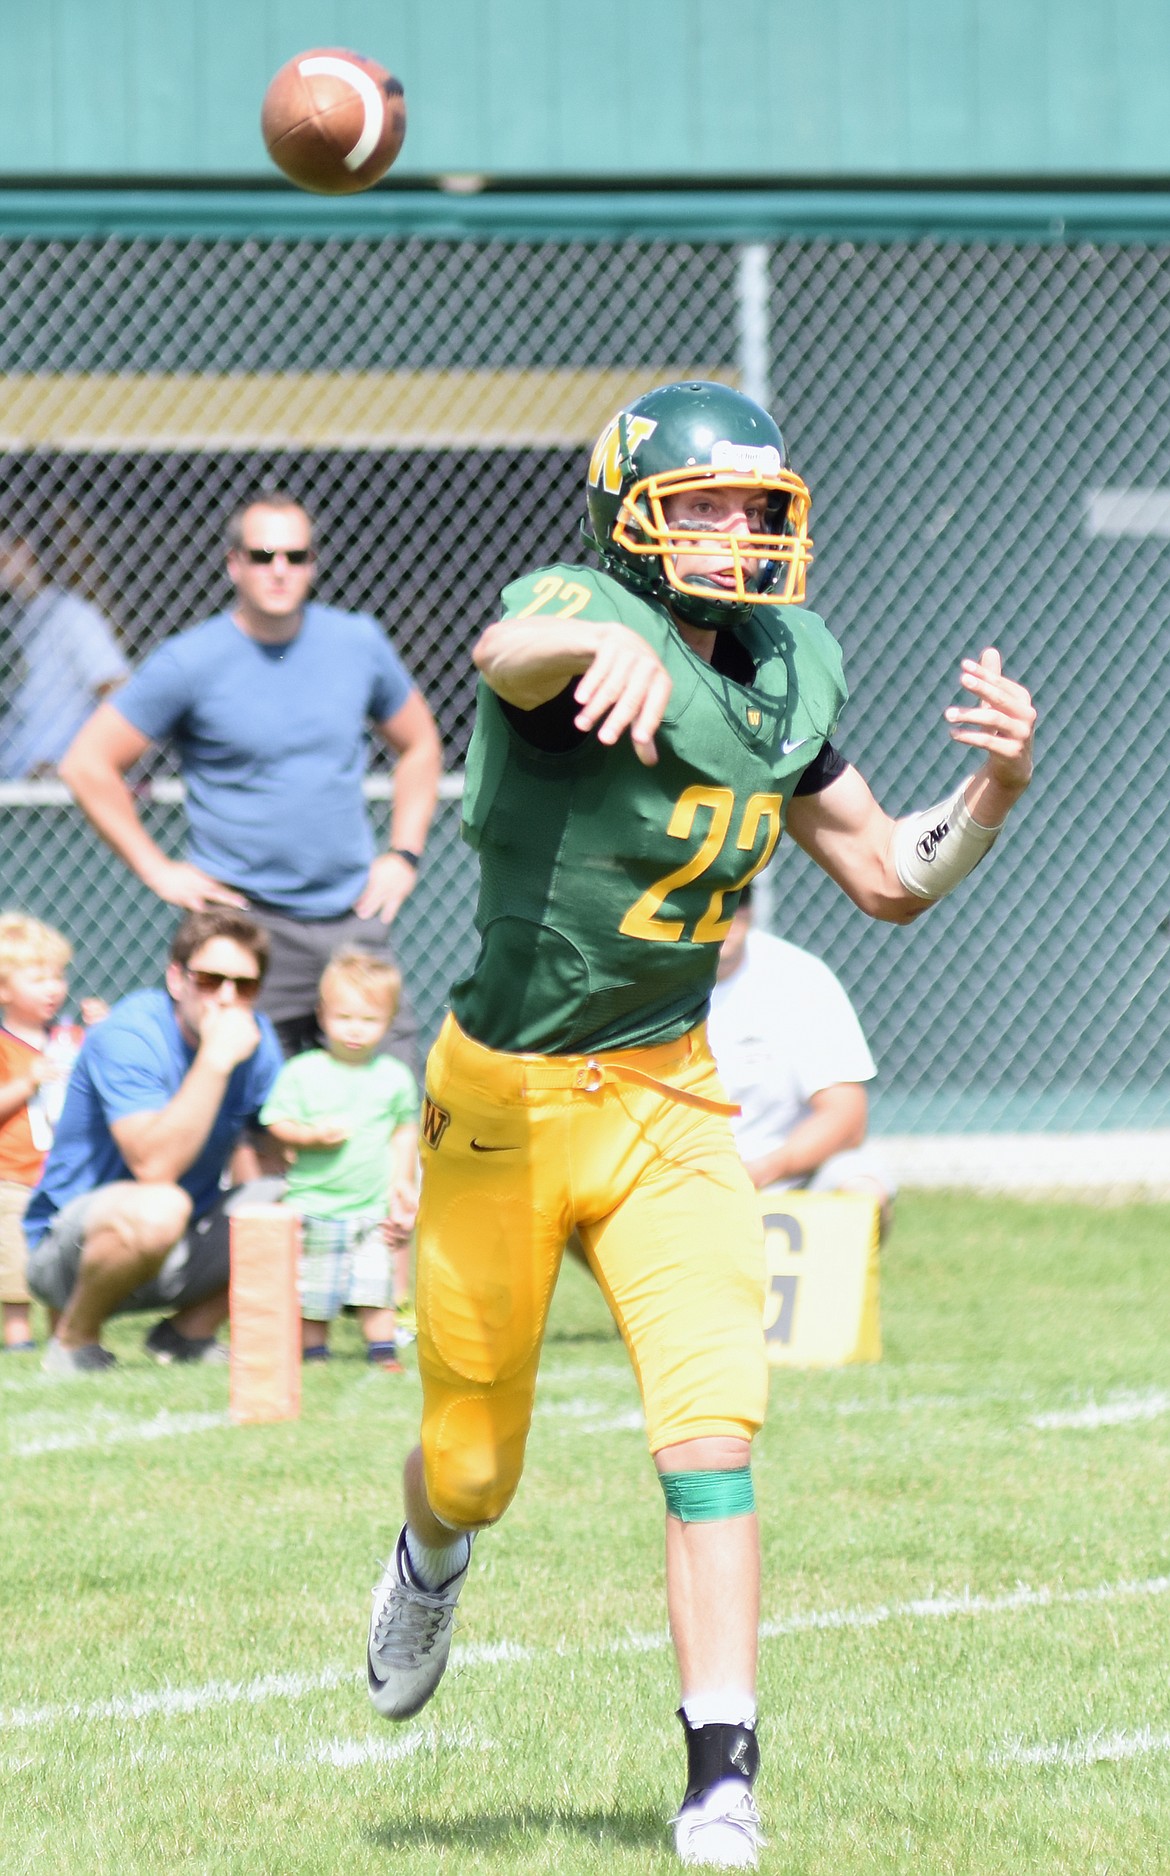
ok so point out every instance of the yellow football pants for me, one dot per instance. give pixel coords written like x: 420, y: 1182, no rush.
x: 517, y: 1151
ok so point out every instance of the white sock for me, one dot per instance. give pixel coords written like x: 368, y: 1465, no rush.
x: 728, y: 1707
x: 433, y: 1566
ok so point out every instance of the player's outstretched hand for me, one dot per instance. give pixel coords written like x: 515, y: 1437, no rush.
x: 1002, y: 723
x: 627, y: 687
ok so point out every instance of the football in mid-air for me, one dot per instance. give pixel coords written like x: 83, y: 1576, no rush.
x: 333, y: 121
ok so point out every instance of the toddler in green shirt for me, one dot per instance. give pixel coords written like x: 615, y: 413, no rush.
x: 349, y: 1119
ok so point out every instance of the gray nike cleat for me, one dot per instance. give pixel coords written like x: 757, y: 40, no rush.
x: 410, y: 1636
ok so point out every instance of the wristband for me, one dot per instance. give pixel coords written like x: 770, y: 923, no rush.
x: 936, y: 848
x: 404, y: 853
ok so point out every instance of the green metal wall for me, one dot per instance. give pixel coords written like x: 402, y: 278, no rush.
x: 616, y: 90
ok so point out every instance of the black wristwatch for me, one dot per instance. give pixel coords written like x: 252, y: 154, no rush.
x: 404, y: 853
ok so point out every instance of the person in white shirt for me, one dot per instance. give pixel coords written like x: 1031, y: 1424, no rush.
x: 791, y: 1052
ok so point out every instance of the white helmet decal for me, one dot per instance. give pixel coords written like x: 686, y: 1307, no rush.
x: 746, y: 458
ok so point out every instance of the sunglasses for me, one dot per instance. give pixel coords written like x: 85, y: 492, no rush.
x: 210, y: 981
x: 264, y: 556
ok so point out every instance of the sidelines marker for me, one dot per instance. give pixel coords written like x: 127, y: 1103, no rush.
x: 265, y: 1315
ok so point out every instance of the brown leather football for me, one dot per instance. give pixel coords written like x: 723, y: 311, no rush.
x: 333, y: 120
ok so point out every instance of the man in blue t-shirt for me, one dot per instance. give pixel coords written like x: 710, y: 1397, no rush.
x: 267, y: 706
x: 129, y: 1214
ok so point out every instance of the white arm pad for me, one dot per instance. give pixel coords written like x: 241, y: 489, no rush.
x: 937, y: 847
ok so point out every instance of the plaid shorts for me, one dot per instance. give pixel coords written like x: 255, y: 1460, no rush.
x: 344, y: 1263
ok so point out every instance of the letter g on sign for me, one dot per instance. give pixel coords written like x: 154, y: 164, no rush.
x: 780, y: 1303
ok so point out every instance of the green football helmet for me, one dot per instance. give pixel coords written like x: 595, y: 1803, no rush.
x: 685, y: 440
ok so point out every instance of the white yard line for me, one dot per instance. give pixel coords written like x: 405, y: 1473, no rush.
x: 168, y: 1700
x: 1117, y: 1410
x: 386, y: 1748
x: 925, y: 1609
x: 1120, y: 1411
x: 590, y: 1416
x: 556, y: 1372
x: 113, y: 1432
x: 343, y: 1753
x: 488, y: 1654
x: 944, y: 1608
x: 1086, y: 1749
x: 171, y: 1700
x: 916, y: 1403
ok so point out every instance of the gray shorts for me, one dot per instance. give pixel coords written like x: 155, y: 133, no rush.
x: 300, y: 948
x: 194, y: 1268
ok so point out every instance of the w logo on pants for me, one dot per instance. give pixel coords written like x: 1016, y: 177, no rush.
x: 435, y: 1122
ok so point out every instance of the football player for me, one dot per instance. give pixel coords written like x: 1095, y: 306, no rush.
x: 643, y: 735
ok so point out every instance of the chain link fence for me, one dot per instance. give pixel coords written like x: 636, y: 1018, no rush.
x: 986, y: 432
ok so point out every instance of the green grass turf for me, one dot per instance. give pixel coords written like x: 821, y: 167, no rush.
x: 233, y: 1567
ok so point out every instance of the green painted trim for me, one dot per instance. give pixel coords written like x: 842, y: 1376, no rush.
x: 699, y: 215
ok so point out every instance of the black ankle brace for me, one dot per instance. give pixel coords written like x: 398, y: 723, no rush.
x: 717, y: 1752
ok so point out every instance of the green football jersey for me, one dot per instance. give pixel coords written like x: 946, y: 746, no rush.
x: 606, y: 887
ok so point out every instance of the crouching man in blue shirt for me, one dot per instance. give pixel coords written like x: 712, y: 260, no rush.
x: 129, y: 1214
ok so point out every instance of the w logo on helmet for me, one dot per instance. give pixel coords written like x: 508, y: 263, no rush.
x: 614, y: 448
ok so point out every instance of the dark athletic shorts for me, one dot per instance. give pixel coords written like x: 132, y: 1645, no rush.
x: 195, y: 1268
x: 300, y: 950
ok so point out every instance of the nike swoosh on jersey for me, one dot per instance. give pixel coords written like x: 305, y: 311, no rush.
x: 479, y: 1146
x: 789, y: 749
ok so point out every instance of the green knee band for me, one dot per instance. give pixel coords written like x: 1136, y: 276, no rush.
x: 701, y: 1497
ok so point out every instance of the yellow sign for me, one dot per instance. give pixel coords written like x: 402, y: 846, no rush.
x: 821, y: 1307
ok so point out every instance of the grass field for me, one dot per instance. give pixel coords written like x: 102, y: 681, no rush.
x: 966, y: 1599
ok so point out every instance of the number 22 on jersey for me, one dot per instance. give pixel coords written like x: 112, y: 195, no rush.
x: 572, y: 595
x: 760, y: 811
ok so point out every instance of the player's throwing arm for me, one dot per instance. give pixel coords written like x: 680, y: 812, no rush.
x: 624, y: 684
x: 896, y: 869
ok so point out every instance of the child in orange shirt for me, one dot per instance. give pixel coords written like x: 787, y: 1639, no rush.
x: 33, y: 960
